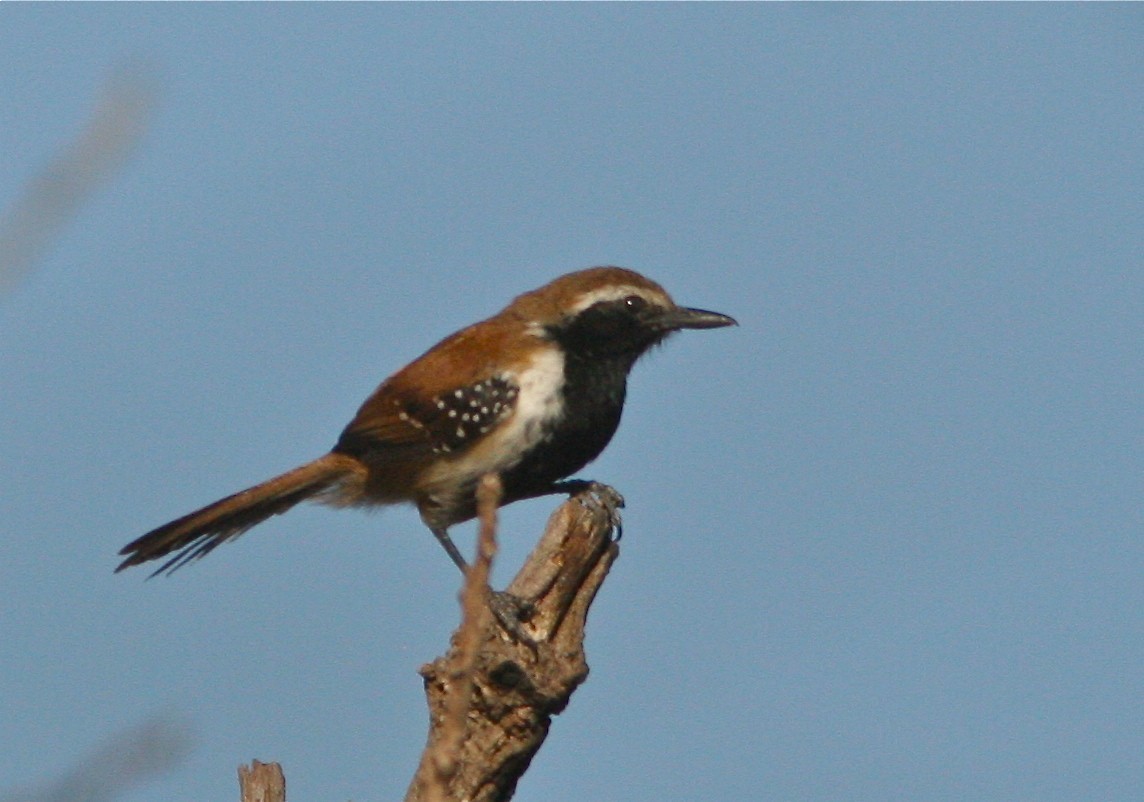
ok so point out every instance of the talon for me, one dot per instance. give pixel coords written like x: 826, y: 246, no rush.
x: 610, y: 501
x: 511, y: 612
x: 591, y: 494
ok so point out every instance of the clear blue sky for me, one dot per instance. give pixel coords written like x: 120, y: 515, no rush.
x: 884, y: 540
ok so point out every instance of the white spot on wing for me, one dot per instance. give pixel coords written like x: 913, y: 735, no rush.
x: 539, y: 400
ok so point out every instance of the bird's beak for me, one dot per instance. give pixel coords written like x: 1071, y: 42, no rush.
x: 683, y: 317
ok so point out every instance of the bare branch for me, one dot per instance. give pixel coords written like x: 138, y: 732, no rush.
x: 52, y: 197
x: 517, y: 687
x: 262, y: 782
x: 491, y: 697
x: 125, y: 760
x: 440, y: 762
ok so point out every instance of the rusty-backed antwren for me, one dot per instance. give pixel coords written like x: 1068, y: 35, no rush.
x: 532, y: 394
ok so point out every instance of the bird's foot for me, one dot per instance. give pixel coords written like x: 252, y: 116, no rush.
x: 599, y: 496
x: 511, y: 612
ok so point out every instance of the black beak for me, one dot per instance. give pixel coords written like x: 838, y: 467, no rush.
x: 683, y: 317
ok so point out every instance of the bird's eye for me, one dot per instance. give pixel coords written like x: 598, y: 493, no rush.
x: 634, y: 303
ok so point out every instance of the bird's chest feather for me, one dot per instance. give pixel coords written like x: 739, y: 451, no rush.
x: 565, y: 412
x: 538, y: 404
x: 591, y: 400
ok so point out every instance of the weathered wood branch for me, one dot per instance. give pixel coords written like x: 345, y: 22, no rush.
x: 262, y: 782
x: 440, y: 764
x: 514, y: 687
x: 492, y: 696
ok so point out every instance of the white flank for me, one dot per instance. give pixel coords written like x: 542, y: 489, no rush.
x: 539, y: 401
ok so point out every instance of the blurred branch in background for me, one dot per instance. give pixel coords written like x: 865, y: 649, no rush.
x: 148, y: 750
x: 37, y: 215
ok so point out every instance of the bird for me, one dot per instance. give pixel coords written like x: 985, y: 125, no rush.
x: 531, y: 394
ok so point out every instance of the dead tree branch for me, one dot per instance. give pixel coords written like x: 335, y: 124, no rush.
x: 514, y: 687
x: 493, y: 695
x: 50, y: 199
x: 439, y: 764
x: 262, y: 782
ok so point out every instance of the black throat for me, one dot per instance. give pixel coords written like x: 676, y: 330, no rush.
x: 593, y: 401
x: 600, y: 345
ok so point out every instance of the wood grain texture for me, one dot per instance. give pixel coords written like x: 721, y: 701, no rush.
x: 515, y: 688
x: 262, y: 782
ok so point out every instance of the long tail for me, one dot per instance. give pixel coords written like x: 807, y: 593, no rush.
x: 199, y: 533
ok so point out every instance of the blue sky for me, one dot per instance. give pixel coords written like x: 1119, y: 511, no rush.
x: 883, y: 540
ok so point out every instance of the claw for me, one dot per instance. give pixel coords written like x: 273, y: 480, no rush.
x: 597, y: 495
x: 511, y: 612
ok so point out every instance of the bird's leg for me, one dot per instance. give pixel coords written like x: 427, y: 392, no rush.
x: 572, y: 486
x: 509, y: 610
x: 451, y: 549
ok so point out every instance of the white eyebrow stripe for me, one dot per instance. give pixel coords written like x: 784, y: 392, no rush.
x: 616, y: 293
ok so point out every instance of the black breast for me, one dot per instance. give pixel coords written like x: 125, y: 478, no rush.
x: 600, y: 345
x: 594, y: 393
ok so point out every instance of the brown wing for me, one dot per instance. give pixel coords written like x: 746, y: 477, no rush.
x: 397, y: 425
x: 443, y: 401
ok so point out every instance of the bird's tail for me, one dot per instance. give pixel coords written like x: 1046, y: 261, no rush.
x: 199, y: 533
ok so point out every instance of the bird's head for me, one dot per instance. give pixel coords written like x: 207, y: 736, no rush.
x: 608, y: 312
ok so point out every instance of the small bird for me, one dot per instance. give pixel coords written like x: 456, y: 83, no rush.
x: 532, y: 394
